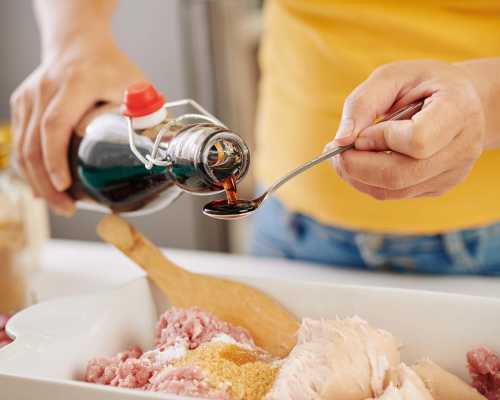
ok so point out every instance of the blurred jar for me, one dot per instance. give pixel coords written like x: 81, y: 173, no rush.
x: 23, y: 231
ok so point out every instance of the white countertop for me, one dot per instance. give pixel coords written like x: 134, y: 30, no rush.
x: 71, y: 267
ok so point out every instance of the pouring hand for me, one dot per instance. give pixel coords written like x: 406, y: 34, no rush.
x: 432, y: 152
x: 77, y: 70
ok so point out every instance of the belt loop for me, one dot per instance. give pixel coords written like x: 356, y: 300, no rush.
x: 482, y: 237
x: 369, y: 246
x: 454, y: 244
x: 295, y: 224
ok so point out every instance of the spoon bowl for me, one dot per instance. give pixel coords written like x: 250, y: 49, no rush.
x: 222, y: 209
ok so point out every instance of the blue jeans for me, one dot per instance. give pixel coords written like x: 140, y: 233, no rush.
x: 279, y: 233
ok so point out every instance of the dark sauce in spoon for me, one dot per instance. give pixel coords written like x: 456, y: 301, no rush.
x: 222, y: 208
x: 231, y: 205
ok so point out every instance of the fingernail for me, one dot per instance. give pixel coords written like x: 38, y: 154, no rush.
x: 365, y: 143
x: 59, y: 182
x: 345, y: 129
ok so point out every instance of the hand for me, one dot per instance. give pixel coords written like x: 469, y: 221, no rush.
x: 429, y: 154
x: 48, y: 105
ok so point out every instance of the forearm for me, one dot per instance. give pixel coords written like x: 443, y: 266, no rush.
x: 485, y: 74
x: 62, y: 21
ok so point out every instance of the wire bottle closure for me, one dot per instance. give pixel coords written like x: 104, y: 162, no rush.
x: 155, y: 157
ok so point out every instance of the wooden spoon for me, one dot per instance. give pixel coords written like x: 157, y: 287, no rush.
x: 271, y: 325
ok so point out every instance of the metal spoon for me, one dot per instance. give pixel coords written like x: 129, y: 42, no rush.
x: 221, y: 209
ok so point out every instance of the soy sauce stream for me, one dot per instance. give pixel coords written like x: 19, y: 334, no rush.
x: 229, y: 185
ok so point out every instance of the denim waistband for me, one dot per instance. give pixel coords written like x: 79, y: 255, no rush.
x: 464, y: 250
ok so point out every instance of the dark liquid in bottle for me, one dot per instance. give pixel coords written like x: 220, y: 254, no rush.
x: 111, y: 175
x: 231, y: 205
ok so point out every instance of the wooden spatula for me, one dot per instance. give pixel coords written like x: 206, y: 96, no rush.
x: 271, y: 325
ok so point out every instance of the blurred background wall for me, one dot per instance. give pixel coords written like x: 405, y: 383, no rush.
x: 203, y: 49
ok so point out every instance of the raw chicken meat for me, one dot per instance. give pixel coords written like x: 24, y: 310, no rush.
x: 343, y: 359
x: 405, y: 384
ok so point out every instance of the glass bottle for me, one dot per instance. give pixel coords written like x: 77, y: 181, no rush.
x: 141, y: 158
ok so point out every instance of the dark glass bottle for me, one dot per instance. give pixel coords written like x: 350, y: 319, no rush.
x: 195, y: 154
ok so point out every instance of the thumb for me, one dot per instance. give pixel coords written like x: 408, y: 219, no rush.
x: 426, y: 133
x: 389, y: 135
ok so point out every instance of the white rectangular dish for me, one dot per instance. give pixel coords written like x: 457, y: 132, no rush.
x: 55, y: 339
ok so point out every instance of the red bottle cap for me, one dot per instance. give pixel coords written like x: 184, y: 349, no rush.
x: 141, y: 99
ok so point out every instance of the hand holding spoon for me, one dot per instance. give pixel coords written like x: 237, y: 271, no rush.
x: 222, y: 209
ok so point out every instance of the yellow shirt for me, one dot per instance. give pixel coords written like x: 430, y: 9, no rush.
x: 314, y: 53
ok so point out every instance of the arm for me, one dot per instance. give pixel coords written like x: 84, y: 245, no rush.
x: 80, y: 66
x: 61, y: 22
x: 437, y: 148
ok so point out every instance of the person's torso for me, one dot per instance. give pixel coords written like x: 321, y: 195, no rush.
x: 314, y: 53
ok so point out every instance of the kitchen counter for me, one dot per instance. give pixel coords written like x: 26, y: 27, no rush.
x: 74, y: 267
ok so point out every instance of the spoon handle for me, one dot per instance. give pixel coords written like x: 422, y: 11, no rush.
x: 292, y: 174
x: 403, y: 113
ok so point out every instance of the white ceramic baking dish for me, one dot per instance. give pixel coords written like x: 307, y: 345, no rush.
x: 55, y: 339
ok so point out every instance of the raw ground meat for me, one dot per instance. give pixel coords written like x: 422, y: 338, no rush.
x: 484, y: 368
x: 187, y: 381
x: 195, y: 327
x: 134, y: 373
x: 104, y: 370
x: 177, y: 331
x: 4, y: 339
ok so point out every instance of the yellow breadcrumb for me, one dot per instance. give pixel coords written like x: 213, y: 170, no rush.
x: 249, y: 374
